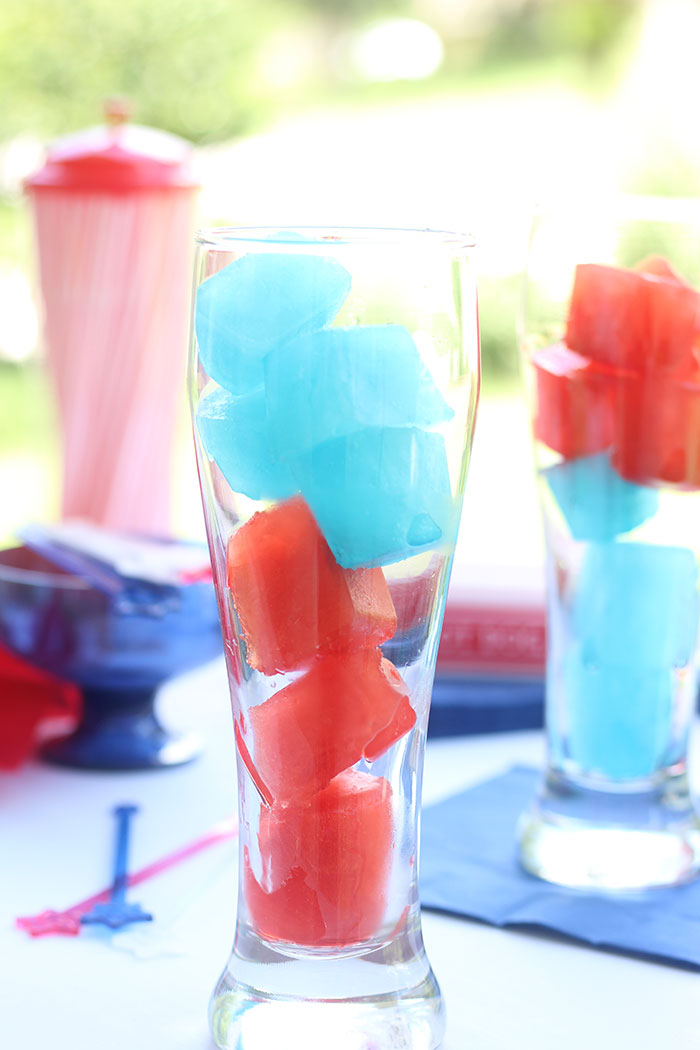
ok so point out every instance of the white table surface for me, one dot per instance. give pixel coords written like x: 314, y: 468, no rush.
x: 504, y: 990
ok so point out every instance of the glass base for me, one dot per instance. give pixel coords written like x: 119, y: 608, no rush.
x: 639, y: 836
x: 377, y: 1001
x: 120, y: 731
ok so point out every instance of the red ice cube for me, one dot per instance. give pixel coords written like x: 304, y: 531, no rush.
x: 345, y: 707
x: 325, y: 864
x: 289, y: 913
x: 574, y: 411
x: 292, y: 598
x: 657, y: 430
x: 641, y: 320
x: 657, y: 266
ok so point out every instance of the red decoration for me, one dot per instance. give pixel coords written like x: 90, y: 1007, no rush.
x: 30, y: 701
x: 117, y: 158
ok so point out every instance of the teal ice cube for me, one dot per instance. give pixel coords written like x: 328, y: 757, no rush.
x: 379, y: 495
x: 258, y: 302
x: 636, y: 604
x: 289, y: 237
x: 233, y: 431
x: 330, y: 383
x: 620, y: 717
x: 597, y: 504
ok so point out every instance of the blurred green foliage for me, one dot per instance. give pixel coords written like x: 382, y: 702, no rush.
x: 589, y: 29
x: 499, y: 310
x: 668, y: 171
x: 206, y: 71
x: 188, y: 67
x: 27, y: 407
x: 202, y: 69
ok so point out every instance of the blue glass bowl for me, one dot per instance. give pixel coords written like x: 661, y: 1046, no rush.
x: 117, y: 653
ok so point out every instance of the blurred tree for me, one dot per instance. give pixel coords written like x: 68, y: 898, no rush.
x: 188, y: 66
x: 540, y: 29
x: 199, y: 69
x: 349, y: 10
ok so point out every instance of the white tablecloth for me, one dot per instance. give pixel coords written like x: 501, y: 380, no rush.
x: 149, y: 990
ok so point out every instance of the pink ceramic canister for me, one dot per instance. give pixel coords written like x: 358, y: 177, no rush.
x: 114, y: 211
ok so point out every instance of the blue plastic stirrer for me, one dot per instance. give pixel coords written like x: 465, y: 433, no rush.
x: 116, y: 912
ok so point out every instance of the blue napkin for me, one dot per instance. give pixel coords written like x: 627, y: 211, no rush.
x: 475, y: 873
x: 486, y: 703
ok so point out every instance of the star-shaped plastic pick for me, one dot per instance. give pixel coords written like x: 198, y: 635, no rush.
x: 50, y: 921
x: 67, y: 922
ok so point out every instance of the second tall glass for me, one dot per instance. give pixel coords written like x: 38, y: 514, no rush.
x: 612, y: 350
x: 335, y: 377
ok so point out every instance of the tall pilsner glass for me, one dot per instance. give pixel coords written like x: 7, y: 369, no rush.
x: 334, y: 381
x: 612, y: 349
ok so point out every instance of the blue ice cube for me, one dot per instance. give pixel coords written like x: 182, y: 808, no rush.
x: 619, y: 717
x: 596, y: 502
x: 289, y: 237
x: 379, y: 495
x: 233, y: 431
x: 636, y: 604
x: 329, y: 383
x: 258, y: 302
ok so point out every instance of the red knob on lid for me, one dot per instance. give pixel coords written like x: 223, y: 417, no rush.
x: 116, y: 157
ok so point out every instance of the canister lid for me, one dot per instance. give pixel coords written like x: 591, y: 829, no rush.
x: 116, y: 157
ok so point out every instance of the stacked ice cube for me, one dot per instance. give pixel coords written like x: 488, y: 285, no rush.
x: 627, y: 377
x: 620, y: 402
x: 333, y: 427
x: 341, y: 415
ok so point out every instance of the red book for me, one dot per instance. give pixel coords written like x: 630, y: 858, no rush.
x: 495, y: 621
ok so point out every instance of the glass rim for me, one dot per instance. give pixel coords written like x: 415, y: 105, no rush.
x: 286, y: 235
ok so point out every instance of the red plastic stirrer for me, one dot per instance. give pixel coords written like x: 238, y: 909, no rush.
x: 67, y: 922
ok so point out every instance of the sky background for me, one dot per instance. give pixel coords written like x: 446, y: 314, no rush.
x: 442, y: 113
